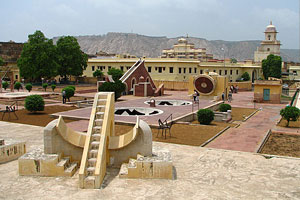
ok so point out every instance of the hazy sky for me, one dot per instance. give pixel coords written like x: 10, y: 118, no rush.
x: 232, y: 20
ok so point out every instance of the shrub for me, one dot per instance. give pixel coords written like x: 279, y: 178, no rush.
x: 5, y: 85
x: 69, y: 92
x: 98, y: 73
x: 17, y: 86
x: 224, y: 107
x: 72, y: 86
x: 53, y: 86
x: 28, y: 87
x: 205, y: 116
x: 246, y: 76
x: 118, y: 87
x: 45, y: 85
x: 34, y: 103
x: 290, y: 113
x: 115, y: 73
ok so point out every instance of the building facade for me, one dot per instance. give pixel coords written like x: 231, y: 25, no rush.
x: 174, y: 69
x: 268, y: 46
x: 10, y: 52
x: 186, y: 50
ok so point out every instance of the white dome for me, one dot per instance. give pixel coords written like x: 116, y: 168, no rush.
x: 270, y: 28
x: 182, y: 40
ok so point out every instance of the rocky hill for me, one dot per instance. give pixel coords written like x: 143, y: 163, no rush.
x: 149, y: 46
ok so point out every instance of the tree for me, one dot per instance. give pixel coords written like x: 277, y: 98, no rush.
x: 69, y: 92
x: 28, y: 87
x: 118, y: 87
x: 246, y: 76
x: 272, y: 66
x: 1, y: 61
x: 205, y: 116
x: 71, y: 59
x: 34, y: 103
x: 99, y: 74
x: 17, y: 86
x: 233, y: 60
x: 290, y: 113
x: 38, y: 58
x: 53, y: 86
x: 5, y: 85
x: 115, y: 73
x: 45, y: 85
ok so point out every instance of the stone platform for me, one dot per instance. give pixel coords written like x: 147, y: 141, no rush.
x: 200, y: 173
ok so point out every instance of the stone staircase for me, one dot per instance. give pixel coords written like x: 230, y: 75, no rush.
x: 69, y: 168
x: 88, y: 176
x: 46, y: 164
x: 158, y: 166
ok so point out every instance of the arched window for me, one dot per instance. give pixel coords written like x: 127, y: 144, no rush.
x: 148, y: 79
x: 133, y: 82
x: 269, y: 37
x: 268, y: 49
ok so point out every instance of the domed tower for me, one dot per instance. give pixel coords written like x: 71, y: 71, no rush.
x: 268, y: 46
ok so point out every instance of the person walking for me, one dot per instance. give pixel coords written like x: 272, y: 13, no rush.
x: 223, y: 97
x: 64, y: 96
x: 229, y: 96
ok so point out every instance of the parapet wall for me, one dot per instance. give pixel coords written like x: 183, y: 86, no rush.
x: 11, y: 150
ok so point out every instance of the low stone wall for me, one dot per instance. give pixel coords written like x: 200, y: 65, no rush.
x: 274, y: 98
x: 223, y: 116
x: 11, y: 150
x: 243, y: 86
x: 172, y: 85
x: 193, y: 116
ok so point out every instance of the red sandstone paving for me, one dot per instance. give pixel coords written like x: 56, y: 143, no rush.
x: 249, y: 134
x: 176, y: 111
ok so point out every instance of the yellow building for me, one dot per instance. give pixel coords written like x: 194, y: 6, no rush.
x: 10, y: 52
x: 267, y: 91
x: 186, y: 50
x: 175, y: 69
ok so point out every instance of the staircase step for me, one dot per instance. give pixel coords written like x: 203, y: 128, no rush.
x: 93, y: 153
x: 90, y: 171
x: 100, y: 108
x: 123, y: 170
x: 132, y: 163
x: 89, y: 182
x: 139, y: 157
x: 96, y: 137
x: 99, y: 113
x: 64, y: 162
x: 97, y: 129
x: 101, y: 102
x: 98, y: 122
x: 95, y: 144
x: 92, y: 162
x: 71, y: 169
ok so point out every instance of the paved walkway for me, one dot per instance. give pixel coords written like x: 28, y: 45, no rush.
x: 176, y: 111
x: 248, y: 136
x: 201, y: 173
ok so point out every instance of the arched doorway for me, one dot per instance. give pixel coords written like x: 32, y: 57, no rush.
x: 126, y: 88
x: 133, y: 82
x: 254, y: 75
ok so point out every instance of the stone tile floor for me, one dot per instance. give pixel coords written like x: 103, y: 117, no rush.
x: 201, y: 173
x: 176, y: 111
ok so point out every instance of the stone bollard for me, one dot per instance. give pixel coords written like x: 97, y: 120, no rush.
x: 229, y: 115
x: 152, y: 103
